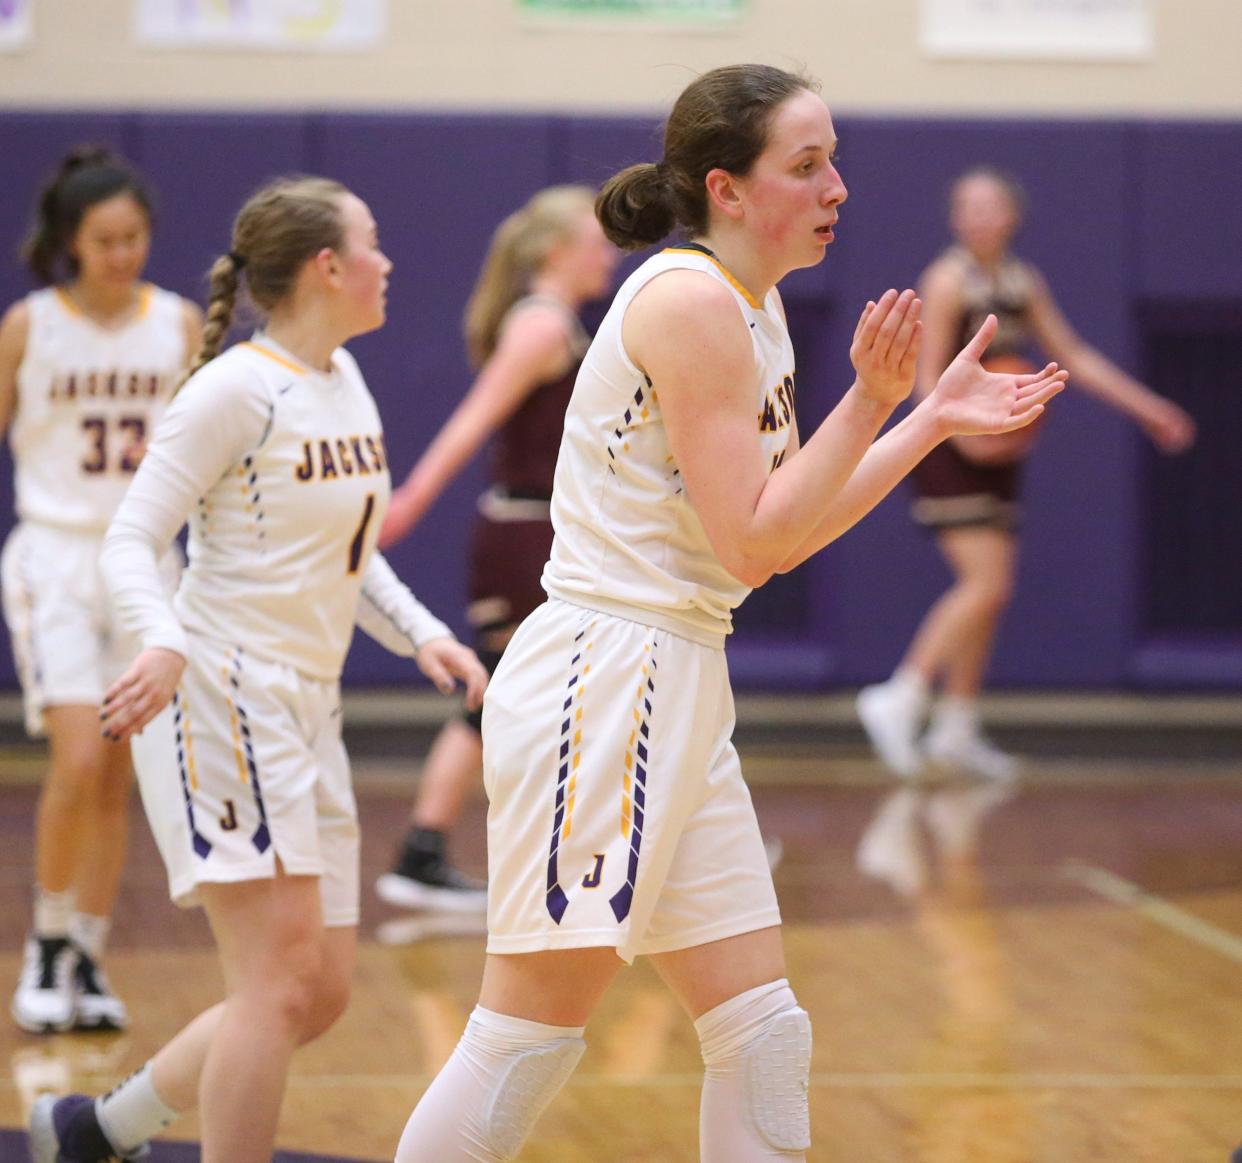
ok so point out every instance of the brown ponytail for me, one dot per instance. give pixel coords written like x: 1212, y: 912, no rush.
x: 281, y: 226
x: 518, y: 250
x: 636, y: 207
x: 720, y: 121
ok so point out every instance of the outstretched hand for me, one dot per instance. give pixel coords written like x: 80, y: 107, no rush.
x: 886, y: 346
x: 141, y: 693
x: 444, y: 660
x: 1170, y: 428
x: 970, y: 401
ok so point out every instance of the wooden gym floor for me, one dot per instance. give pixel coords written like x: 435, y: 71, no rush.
x: 1048, y: 973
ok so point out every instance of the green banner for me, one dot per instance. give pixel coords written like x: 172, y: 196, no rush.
x: 681, y: 10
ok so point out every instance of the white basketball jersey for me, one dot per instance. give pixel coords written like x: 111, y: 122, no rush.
x: 627, y: 537
x: 279, y: 543
x: 88, y: 398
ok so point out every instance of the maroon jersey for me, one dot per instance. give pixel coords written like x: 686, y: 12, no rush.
x: 525, y: 449
x: 513, y: 533
x: 1004, y: 292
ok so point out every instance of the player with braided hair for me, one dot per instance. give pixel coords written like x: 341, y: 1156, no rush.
x: 274, y: 453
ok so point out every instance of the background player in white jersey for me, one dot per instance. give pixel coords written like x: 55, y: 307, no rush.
x: 274, y: 454
x: 619, y: 821
x: 546, y: 260
x: 86, y: 366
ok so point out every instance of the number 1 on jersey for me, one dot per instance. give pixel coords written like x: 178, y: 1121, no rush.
x: 355, y: 546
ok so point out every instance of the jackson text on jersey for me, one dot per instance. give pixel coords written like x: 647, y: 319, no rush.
x: 338, y: 456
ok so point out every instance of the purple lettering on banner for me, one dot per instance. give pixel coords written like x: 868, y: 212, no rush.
x: 9, y: 9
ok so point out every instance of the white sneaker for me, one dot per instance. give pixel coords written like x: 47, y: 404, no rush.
x: 774, y: 850
x: 43, y: 1001
x: 96, y: 1007
x: 970, y: 752
x: 892, y: 720
x: 955, y: 815
x: 434, y: 885
x: 891, y: 848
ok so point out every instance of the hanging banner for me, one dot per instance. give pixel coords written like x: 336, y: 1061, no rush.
x: 297, y: 25
x: 16, y: 24
x: 1037, y: 29
x: 663, y: 11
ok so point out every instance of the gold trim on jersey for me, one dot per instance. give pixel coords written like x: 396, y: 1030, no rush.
x: 67, y: 302
x: 146, y: 296
x: 280, y: 359
x: 711, y: 258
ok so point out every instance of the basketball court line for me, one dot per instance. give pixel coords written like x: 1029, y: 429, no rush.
x: 850, y: 1080
x: 1156, y: 909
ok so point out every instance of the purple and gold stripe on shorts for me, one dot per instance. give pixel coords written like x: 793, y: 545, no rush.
x: 185, y: 767
x: 243, y: 750
x: 634, y: 782
x: 568, y: 759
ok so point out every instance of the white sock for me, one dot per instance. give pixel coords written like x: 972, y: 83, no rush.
x: 957, y: 714
x: 910, y: 685
x: 132, y: 1112
x: 53, y: 912
x: 727, y: 1130
x: 90, y: 934
x: 471, y: 1104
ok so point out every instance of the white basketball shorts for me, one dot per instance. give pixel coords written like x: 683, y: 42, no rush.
x: 245, y: 767
x: 618, y: 814
x: 67, y: 646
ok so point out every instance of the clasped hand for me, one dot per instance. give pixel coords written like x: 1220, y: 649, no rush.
x: 885, y: 348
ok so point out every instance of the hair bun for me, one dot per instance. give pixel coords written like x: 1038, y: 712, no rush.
x: 82, y: 156
x: 635, y: 207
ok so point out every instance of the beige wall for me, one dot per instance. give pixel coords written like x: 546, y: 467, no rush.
x: 478, y: 54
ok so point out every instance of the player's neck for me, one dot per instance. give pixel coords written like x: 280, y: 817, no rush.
x: 305, y: 338
x: 551, y: 285
x: 740, y: 262
x: 105, y: 304
x: 989, y: 258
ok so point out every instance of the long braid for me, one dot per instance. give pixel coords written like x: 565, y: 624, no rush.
x: 281, y: 227
x: 224, y: 282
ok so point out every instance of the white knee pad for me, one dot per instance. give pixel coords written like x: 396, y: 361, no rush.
x: 757, y: 1052
x: 522, y: 1066
x: 778, y: 1070
x: 532, y: 1080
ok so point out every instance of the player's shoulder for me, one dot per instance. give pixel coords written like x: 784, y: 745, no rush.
x: 945, y: 276
x: 346, y: 365
x: 191, y: 313
x: 954, y: 263
x: 683, y: 293
x: 15, y: 322
x: 238, y: 373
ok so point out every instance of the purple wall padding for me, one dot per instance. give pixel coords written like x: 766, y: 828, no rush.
x: 1187, y: 235
x: 1122, y: 214
x: 204, y: 166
